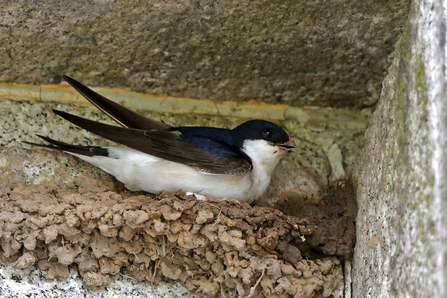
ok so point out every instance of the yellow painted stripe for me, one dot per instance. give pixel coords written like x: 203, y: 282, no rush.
x: 250, y: 109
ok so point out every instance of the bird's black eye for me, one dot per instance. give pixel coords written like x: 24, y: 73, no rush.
x: 267, y: 134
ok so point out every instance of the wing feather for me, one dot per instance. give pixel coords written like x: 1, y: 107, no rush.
x: 166, y: 145
x: 120, y: 114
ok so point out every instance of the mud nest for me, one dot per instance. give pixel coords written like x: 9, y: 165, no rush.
x: 208, y: 247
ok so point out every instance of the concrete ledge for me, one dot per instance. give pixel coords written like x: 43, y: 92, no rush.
x: 331, y: 54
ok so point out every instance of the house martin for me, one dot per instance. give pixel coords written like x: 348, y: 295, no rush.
x: 152, y: 156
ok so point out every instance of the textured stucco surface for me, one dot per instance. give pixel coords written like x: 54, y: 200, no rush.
x: 401, y: 178
x: 327, y: 53
x: 19, y: 283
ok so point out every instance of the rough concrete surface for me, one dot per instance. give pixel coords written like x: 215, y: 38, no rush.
x: 31, y: 282
x: 328, y: 53
x: 401, y: 179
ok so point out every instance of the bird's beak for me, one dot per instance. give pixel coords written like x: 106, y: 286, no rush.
x: 289, y: 145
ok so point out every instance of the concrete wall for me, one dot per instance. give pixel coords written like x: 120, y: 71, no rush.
x: 401, y: 245
x: 331, y: 53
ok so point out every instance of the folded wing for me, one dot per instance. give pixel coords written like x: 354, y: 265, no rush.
x: 163, y: 144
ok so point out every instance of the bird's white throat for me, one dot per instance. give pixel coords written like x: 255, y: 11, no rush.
x: 263, y: 155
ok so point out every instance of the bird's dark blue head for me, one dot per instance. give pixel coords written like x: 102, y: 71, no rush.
x: 225, y: 142
x: 261, y: 130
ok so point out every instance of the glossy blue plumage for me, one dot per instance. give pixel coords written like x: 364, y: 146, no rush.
x: 228, y: 143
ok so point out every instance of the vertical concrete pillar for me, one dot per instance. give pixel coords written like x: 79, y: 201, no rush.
x: 401, y: 248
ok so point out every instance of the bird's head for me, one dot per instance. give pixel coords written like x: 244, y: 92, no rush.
x: 264, y: 142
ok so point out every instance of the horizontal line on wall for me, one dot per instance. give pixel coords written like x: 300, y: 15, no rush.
x: 343, y: 118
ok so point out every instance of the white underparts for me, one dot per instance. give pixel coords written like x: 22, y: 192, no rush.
x: 140, y: 171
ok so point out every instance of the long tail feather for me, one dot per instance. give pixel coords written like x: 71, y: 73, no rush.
x: 61, y: 146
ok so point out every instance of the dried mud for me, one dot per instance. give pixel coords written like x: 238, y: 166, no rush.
x: 331, y: 211
x: 208, y: 247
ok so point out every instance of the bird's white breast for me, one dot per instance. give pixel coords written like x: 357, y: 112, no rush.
x: 140, y: 171
x: 264, y: 158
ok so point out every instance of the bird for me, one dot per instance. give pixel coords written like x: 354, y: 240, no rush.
x: 152, y: 156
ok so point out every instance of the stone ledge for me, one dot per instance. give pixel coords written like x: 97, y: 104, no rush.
x: 331, y: 53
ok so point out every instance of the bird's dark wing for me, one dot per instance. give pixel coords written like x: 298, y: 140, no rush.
x: 117, y: 112
x: 167, y: 145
